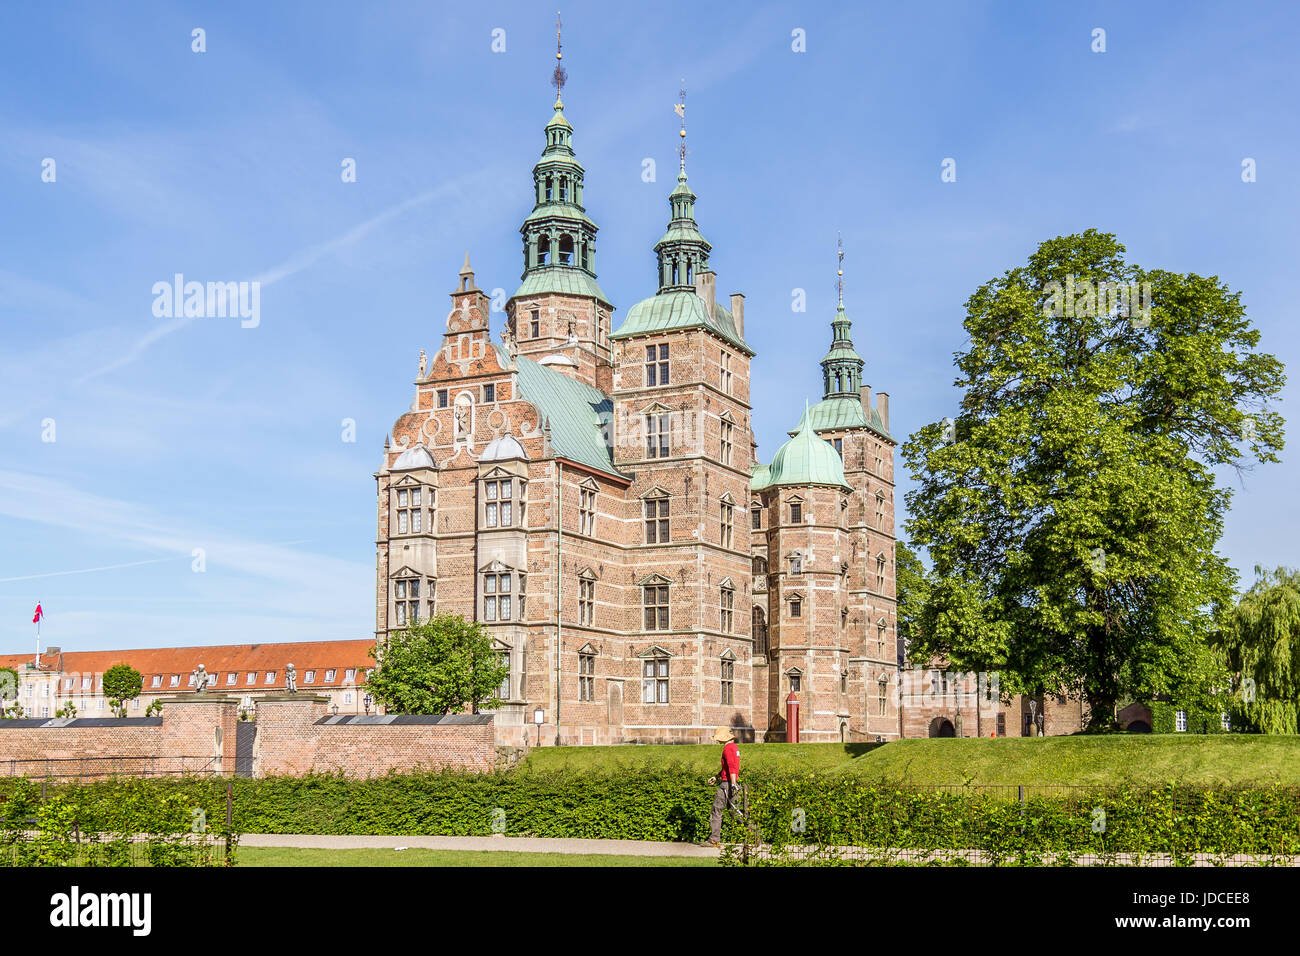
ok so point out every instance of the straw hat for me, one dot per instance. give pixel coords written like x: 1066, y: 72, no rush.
x: 723, y: 734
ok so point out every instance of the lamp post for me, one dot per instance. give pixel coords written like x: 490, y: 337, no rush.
x: 368, y: 700
x: 539, y: 717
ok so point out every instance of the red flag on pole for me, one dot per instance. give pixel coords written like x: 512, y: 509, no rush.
x: 36, y: 618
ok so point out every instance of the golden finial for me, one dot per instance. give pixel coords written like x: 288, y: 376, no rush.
x: 559, y: 76
x: 680, y: 109
x: 839, y: 249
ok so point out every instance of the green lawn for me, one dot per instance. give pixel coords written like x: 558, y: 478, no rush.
x: 289, y: 856
x: 1032, y: 761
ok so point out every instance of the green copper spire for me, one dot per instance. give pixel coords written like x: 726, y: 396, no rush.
x: 683, y: 251
x: 842, y: 366
x: 559, y: 237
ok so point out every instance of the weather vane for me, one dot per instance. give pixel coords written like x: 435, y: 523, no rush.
x: 839, y: 250
x: 680, y: 110
x: 559, y: 76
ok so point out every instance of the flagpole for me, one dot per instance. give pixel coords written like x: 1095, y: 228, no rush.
x: 38, y: 634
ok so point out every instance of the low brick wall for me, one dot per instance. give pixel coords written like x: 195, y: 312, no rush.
x: 295, y: 736
x: 197, y: 734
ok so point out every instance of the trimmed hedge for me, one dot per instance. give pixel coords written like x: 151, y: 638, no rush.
x: 673, y: 804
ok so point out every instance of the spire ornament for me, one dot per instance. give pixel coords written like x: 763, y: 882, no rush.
x: 680, y: 109
x: 839, y: 249
x: 559, y: 76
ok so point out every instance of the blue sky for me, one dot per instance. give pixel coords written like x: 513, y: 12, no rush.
x: 225, y: 166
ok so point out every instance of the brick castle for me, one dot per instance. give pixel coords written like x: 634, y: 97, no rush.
x: 589, y: 490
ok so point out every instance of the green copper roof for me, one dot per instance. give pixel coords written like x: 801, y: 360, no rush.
x: 558, y: 210
x: 679, y: 309
x: 836, y: 414
x: 758, y: 476
x: 562, y: 280
x: 806, y: 459
x: 579, y: 415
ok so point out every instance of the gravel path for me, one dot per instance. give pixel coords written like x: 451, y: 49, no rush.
x: 511, y: 844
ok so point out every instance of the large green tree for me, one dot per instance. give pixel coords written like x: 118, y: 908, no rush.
x: 1070, y: 508
x: 1261, y: 642
x: 9, y: 706
x: 122, y: 682
x: 439, y: 666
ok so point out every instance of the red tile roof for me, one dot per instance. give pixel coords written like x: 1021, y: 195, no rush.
x: 319, y: 656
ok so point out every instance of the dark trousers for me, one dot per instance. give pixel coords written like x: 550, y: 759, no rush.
x: 720, y: 798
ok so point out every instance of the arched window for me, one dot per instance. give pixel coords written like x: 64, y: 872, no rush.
x: 760, y: 568
x: 584, y: 256
x: 566, y: 250
x: 543, y: 251
x: 564, y: 188
x: 760, y: 631
x: 690, y: 273
x: 549, y: 185
x: 675, y: 273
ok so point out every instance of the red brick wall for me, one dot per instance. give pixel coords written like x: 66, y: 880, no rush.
x: 289, y: 741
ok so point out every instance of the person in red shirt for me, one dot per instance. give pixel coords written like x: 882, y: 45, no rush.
x: 727, y: 781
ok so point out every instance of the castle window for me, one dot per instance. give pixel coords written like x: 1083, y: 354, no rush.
x: 728, y: 605
x: 654, y: 601
x: 656, y: 365
x: 503, y: 691
x: 498, y: 503
x: 724, y: 449
x: 880, y: 637
x: 656, y: 436
x: 796, y: 607
x: 587, y: 511
x: 760, y: 570
x: 1002, y: 725
x: 880, y: 572
x: 410, y: 510
x: 586, y: 676
x: 535, y: 323
x: 442, y: 398
x: 584, y: 256
x: 726, y: 371
x: 549, y: 187
x: 796, y: 563
x: 728, y: 682
x: 489, y: 393
x: 844, y: 683
x: 727, y: 518
x: 796, y: 512
x: 756, y: 518
x: 544, y: 250
x: 839, y: 446
x: 1180, y: 721
x: 654, y: 681
x: 795, y: 683
x: 406, y: 592
x: 564, y: 188
x: 656, y: 520
x: 496, y: 596
x: 882, y: 701
x: 566, y: 246
x: 758, y: 620
x: 880, y: 509
x: 586, y: 601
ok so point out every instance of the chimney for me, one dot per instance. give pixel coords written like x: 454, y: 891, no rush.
x: 864, y: 395
x: 738, y: 312
x: 882, y: 406
x: 706, y: 287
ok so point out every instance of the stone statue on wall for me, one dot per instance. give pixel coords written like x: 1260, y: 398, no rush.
x: 424, y: 363
x: 201, y: 680
x: 290, y: 679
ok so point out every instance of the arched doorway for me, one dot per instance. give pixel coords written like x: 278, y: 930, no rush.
x: 942, y: 727
x: 1138, y: 727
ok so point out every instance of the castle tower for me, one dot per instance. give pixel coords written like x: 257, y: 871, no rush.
x: 560, y: 309
x: 804, y: 497
x: 683, y: 431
